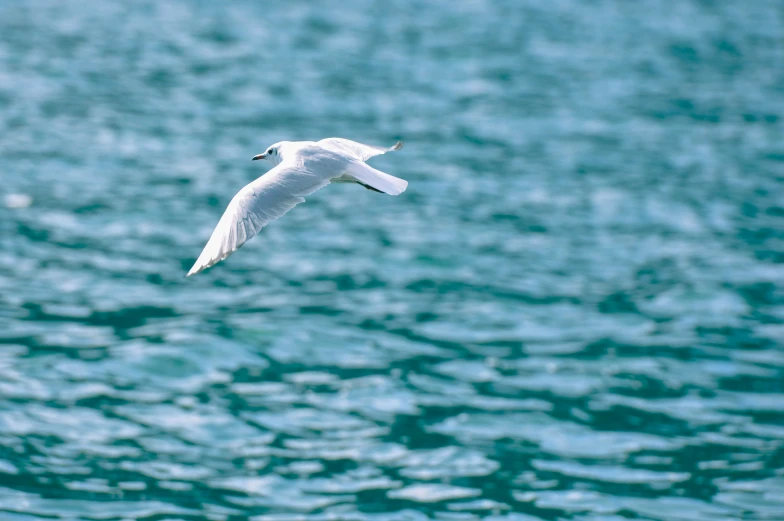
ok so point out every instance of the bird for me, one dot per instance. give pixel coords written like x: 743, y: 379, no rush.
x: 301, y: 168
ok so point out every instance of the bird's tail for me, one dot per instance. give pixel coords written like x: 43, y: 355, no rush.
x: 376, y: 179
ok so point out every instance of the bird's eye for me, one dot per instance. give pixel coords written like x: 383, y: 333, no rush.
x: 271, y: 151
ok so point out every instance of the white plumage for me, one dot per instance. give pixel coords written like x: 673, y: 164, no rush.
x: 302, y: 167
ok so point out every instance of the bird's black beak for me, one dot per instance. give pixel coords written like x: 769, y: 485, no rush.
x: 260, y: 156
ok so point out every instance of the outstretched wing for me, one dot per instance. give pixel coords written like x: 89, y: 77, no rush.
x: 356, y: 150
x: 267, y: 198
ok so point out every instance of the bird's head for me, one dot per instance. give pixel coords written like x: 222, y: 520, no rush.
x: 273, y: 154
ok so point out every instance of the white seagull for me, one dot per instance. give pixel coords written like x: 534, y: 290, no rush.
x: 301, y: 168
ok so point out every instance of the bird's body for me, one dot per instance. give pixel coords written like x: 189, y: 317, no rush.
x: 301, y: 168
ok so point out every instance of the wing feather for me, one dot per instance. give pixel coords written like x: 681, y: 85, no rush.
x: 356, y: 150
x: 267, y: 198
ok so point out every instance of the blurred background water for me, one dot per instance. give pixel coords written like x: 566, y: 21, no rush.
x: 576, y: 311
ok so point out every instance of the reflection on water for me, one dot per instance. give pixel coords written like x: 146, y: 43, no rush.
x: 574, y: 312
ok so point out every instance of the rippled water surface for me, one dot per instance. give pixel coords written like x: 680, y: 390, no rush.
x: 576, y: 311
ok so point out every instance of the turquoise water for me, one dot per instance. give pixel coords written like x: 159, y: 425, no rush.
x: 576, y: 311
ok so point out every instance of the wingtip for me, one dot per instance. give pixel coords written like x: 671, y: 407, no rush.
x: 201, y: 265
x: 398, y: 145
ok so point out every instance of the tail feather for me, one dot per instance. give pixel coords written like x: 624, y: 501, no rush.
x: 376, y: 179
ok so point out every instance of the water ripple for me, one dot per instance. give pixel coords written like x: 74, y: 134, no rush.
x: 574, y: 312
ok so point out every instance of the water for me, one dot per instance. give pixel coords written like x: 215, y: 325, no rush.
x: 576, y: 311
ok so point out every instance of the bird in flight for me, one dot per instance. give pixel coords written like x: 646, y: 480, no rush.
x: 301, y: 168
